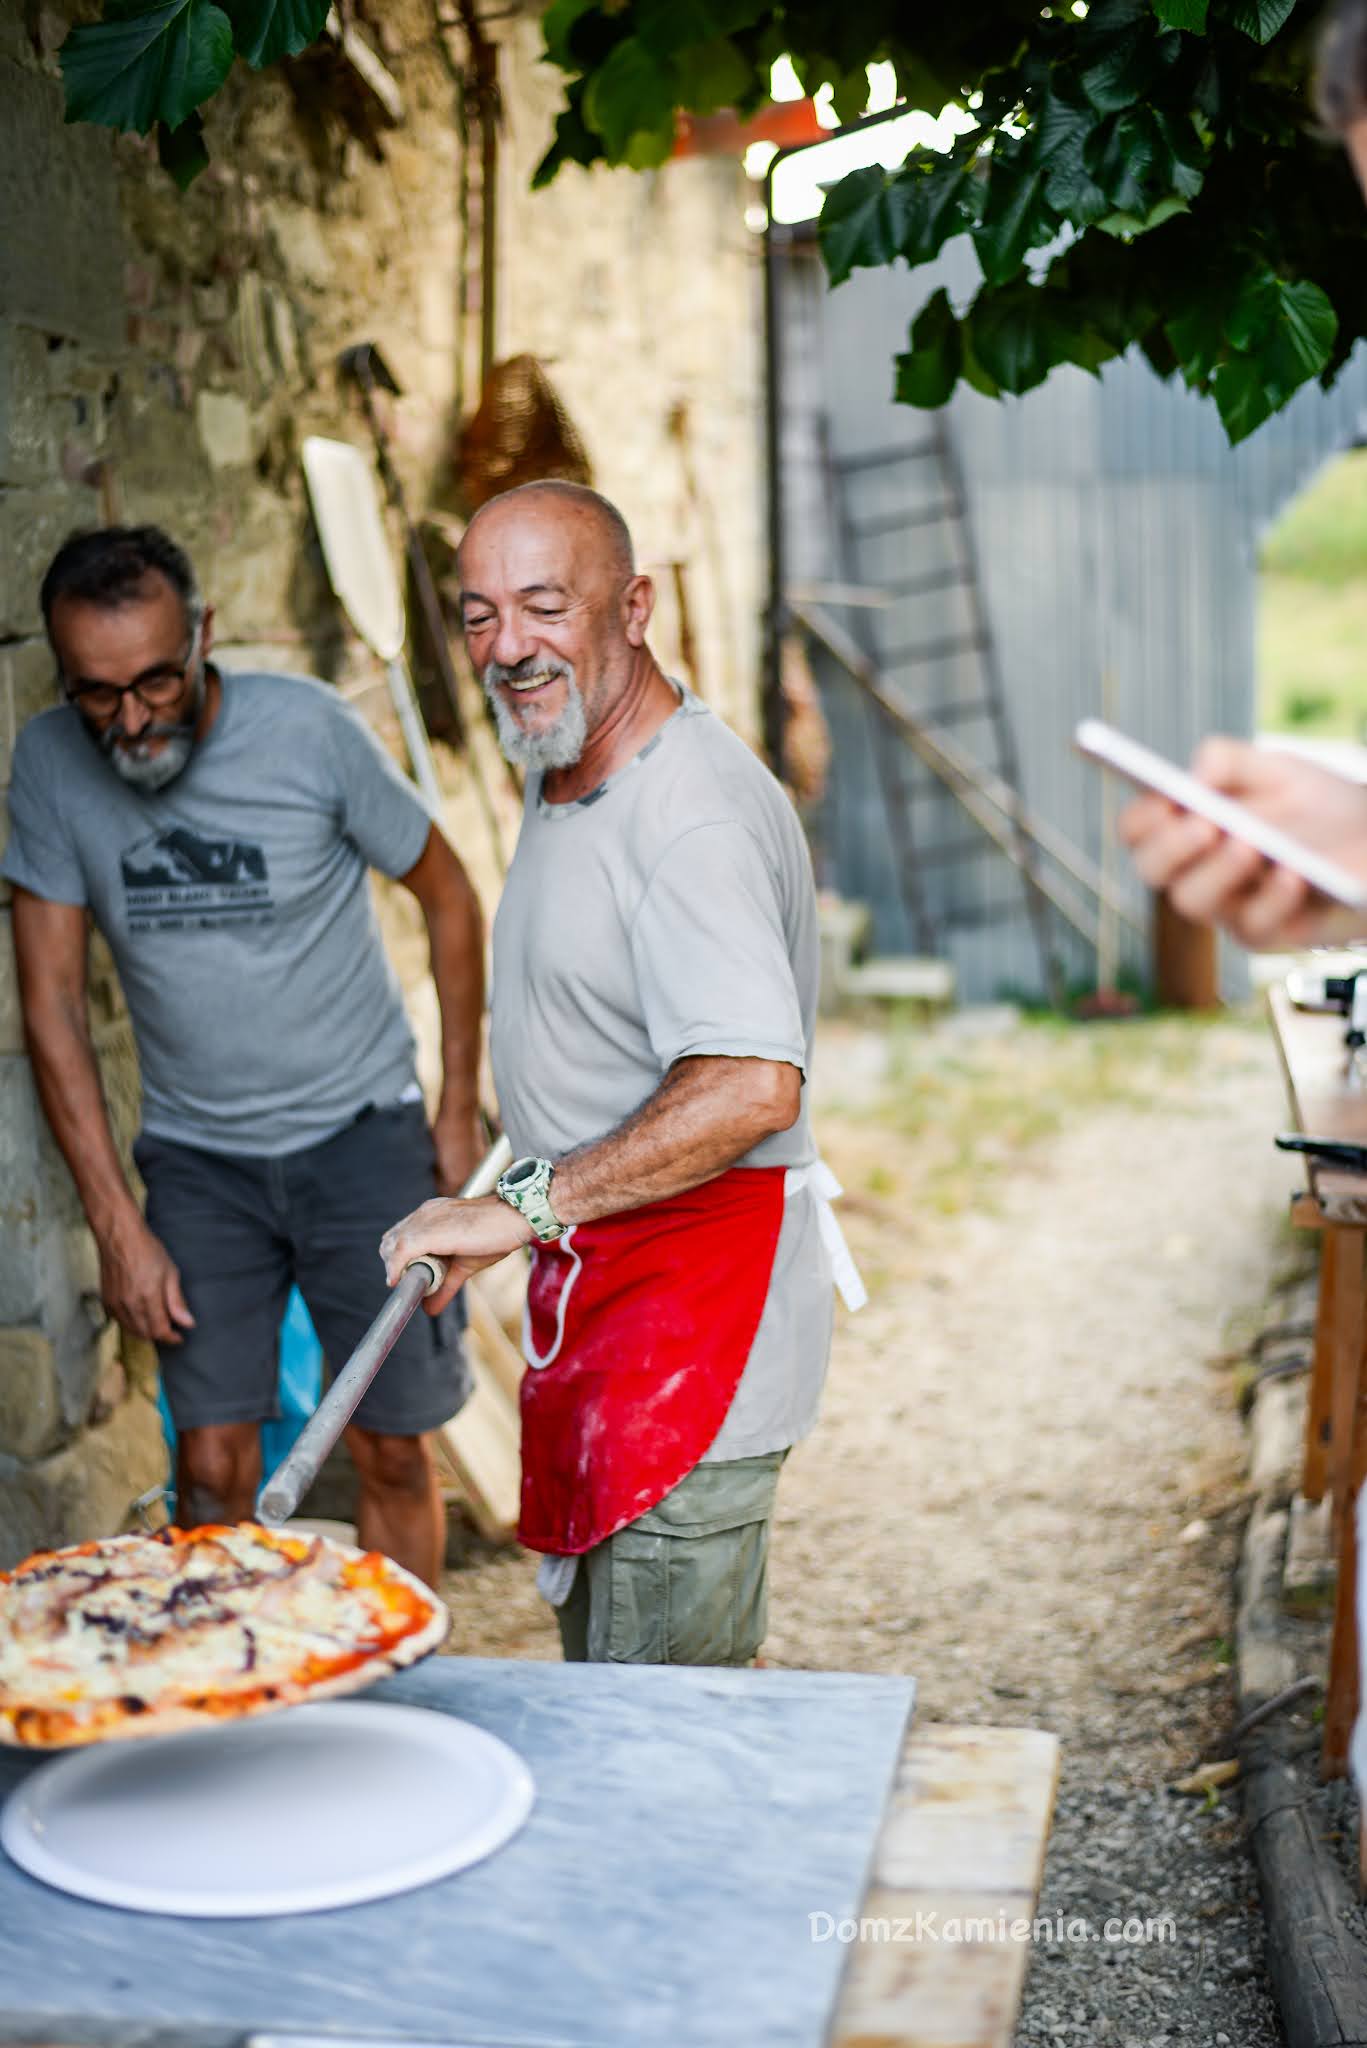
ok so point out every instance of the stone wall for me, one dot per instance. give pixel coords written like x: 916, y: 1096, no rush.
x: 162, y: 357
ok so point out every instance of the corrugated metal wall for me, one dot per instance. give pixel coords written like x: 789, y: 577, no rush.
x: 1115, y: 535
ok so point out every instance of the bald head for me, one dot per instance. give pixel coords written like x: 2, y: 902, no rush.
x: 573, y: 509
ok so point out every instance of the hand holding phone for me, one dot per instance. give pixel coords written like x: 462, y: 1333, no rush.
x: 1206, y: 842
x: 1140, y: 765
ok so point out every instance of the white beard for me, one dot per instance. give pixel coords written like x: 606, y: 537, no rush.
x: 554, y: 746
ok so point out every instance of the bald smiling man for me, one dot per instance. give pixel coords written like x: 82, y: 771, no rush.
x: 655, y: 979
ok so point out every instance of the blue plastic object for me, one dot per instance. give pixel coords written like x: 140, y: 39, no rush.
x: 300, y: 1388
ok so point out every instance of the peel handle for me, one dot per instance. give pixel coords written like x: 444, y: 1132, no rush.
x: 279, y: 1498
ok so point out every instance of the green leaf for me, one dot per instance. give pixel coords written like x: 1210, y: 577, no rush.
x: 631, y: 94
x: 1128, y: 225
x: 1017, y: 217
x: 1022, y: 331
x: 1128, y: 157
x: 146, y: 64
x: 669, y: 27
x: 1197, y: 337
x: 1261, y: 19
x: 1301, y: 340
x: 1120, y: 77
x: 182, y: 151
x: 575, y: 142
x: 711, y: 76
x: 929, y: 200
x: 855, y: 227
x: 264, y: 31
x: 850, y: 94
x: 1242, y: 397
x: 972, y: 372
x: 927, y: 373
x: 557, y: 27
x: 1069, y: 186
x: 1188, y: 14
x: 1252, y: 314
x: 1012, y: 338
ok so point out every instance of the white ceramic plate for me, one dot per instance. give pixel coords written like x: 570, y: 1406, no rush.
x: 322, y: 1806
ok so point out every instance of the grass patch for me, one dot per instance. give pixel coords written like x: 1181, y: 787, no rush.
x: 1322, y: 535
x: 1312, y: 609
x: 954, y: 1113
x: 1312, y: 658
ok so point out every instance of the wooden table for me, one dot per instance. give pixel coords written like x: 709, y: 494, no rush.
x: 963, y: 1843
x: 1328, y: 1099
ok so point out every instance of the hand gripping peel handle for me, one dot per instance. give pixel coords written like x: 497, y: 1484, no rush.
x: 291, y: 1480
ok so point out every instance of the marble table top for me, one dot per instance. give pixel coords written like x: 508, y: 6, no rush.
x: 687, y: 1824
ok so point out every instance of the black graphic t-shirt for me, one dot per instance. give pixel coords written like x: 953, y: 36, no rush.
x: 237, y: 908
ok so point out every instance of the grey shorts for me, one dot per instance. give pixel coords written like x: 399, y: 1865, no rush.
x: 685, y: 1583
x: 243, y: 1229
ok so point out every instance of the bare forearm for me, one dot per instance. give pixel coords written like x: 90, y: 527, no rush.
x: 456, y: 936
x: 67, y: 1075
x: 706, y: 1114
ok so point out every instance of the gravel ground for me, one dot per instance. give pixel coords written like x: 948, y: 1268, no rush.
x: 1027, y: 1484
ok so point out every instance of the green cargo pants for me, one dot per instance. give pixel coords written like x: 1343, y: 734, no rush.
x: 684, y: 1583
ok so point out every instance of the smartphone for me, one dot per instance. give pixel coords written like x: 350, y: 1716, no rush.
x: 1150, y: 771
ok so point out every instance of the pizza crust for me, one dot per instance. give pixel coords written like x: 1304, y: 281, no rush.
x: 178, y: 1718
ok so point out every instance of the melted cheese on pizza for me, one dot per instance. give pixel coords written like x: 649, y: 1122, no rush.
x: 205, y: 1615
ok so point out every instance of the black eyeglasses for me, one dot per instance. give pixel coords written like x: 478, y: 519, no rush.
x: 156, y: 688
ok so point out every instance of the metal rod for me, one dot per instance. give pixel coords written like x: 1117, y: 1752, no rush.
x: 291, y: 1480
x: 927, y: 515
x: 934, y: 650
x: 280, y: 1496
x: 414, y: 736
x: 884, y: 458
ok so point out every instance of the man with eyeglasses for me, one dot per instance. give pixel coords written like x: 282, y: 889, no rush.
x: 218, y: 829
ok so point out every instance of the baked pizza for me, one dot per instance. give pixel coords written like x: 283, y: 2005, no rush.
x: 149, y: 1635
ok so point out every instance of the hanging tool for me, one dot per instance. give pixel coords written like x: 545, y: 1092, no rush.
x: 369, y: 371
x: 292, y: 1478
x: 356, y: 551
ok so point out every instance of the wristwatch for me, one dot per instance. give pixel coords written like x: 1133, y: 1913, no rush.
x: 526, y: 1187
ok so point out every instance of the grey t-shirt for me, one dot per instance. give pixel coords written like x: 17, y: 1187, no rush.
x: 671, y: 913
x: 237, y: 907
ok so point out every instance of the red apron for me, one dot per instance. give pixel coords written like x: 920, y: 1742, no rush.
x: 638, y: 1330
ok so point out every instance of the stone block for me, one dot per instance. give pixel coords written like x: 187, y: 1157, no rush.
x: 11, y: 1020
x: 33, y: 524
x: 61, y: 254
x: 31, y: 1421
x: 303, y: 245
x: 28, y: 683
x: 225, y: 429
x: 84, y: 1490
x: 46, y: 1259
x: 26, y: 426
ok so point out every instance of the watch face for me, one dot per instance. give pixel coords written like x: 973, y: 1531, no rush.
x: 520, y: 1171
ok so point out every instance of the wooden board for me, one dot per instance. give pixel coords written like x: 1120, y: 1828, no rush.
x: 963, y: 1841
x: 481, y: 1447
